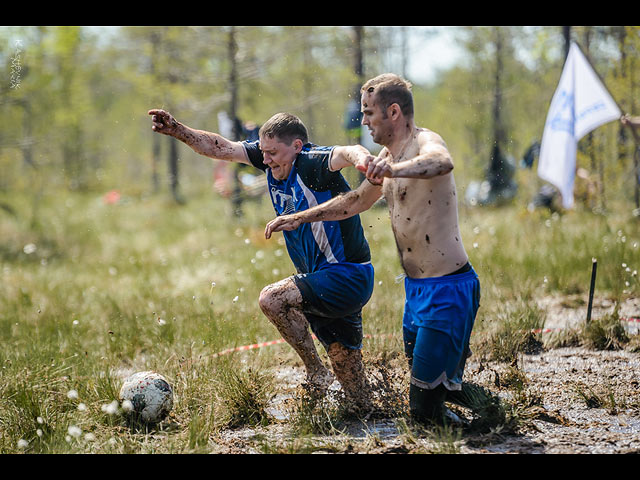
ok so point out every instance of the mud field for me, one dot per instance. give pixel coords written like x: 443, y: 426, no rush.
x: 586, y: 401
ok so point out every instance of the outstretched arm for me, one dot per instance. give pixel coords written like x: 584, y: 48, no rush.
x: 350, y: 155
x: 433, y: 159
x: 338, y: 208
x: 209, y: 144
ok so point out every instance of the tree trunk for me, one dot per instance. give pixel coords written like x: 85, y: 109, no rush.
x: 232, y: 50
x: 173, y: 170
x: 155, y: 139
x: 358, y: 68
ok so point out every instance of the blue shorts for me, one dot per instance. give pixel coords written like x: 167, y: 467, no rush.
x: 332, y: 301
x: 439, y: 314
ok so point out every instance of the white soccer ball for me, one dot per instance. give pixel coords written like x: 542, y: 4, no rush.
x: 146, y: 397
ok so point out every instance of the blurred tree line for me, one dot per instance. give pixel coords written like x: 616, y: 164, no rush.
x: 74, y: 100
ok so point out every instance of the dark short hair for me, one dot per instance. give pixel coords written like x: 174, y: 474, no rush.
x: 285, y: 127
x: 390, y: 88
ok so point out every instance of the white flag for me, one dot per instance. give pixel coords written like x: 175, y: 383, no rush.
x: 580, y: 104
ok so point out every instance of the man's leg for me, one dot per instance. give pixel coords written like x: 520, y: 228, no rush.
x: 281, y: 302
x: 432, y: 359
x: 409, y: 339
x: 349, y: 369
x: 437, y: 359
x: 426, y: 405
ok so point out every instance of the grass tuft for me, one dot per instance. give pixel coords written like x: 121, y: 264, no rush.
x: 245, y: 395
x: 513, y: 330
x: 605, y: 333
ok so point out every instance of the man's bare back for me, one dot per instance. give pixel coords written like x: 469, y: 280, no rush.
x: 424, y: 217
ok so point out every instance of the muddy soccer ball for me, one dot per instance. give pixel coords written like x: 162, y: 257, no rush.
x: 146, y: 397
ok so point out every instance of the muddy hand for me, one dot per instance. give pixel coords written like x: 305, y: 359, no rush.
x: 285, y: 222
x: 365, y: 166
x: 163, y: 122
x: 378, y: 169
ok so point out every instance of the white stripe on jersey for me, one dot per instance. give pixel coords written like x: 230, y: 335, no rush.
x: 317, y: 228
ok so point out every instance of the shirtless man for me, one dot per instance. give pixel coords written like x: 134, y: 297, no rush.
x: 414, y: 173
x: 335, y: 275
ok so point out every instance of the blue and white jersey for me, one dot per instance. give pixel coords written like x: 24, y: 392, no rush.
x: 317, y: 245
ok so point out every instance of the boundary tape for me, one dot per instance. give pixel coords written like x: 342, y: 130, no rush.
x: 282, y: 340
x: 273, y: 342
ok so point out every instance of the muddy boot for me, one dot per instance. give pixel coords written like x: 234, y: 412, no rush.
x: 426, y: 406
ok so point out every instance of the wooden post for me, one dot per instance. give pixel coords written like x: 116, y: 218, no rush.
x: 594, y: 267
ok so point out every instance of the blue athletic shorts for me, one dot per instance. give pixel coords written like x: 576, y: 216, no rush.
x: 332, y: 301
x: 438, y: 317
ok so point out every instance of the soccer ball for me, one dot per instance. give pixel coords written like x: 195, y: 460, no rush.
x: 146, y: 397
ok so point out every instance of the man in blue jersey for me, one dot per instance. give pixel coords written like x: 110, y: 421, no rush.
x: 414, y: 174
x: 334, y: 277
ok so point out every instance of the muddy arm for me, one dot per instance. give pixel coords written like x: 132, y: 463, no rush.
x: 433, y: 159
x: 208, y: 144
x: 349, y: 155
x: 338, y: 208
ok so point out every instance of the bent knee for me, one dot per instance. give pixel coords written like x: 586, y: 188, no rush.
x: 267, y: 299
x: 280, y: 297
x: 276, y: 298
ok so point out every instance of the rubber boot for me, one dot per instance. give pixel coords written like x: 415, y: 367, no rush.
x: 427, y: 405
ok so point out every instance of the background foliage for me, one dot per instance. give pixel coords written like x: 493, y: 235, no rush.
x: 77, y: 117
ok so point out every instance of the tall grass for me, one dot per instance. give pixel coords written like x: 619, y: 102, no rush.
x: 91, y: 292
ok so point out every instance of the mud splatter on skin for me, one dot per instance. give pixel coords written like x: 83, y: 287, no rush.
x: 276, y: 304
x: 349, y: 369
x: 204, y: 143
x: 288, y: 318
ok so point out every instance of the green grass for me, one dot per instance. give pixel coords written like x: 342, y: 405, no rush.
x: 513, y: 329
x: 92, y: 292
x: 605, y: 333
